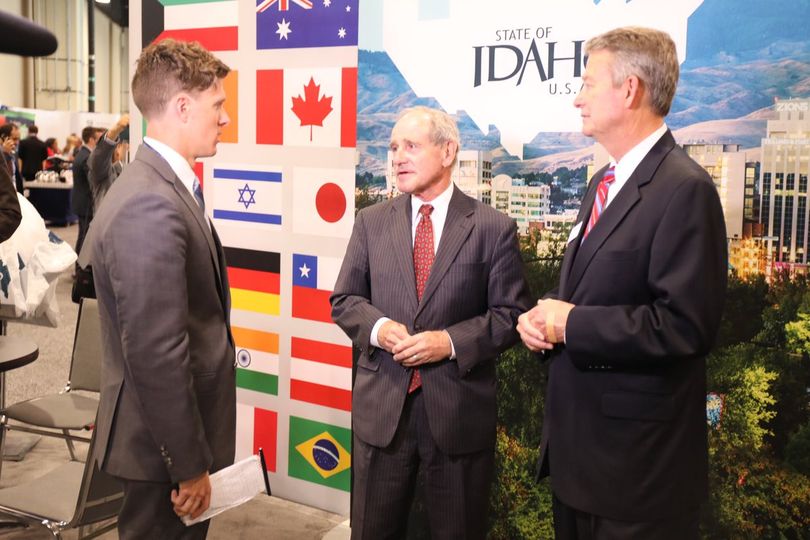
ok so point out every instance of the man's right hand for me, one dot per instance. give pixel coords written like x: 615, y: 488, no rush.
x: 194, y: 496
x: 391, y: 333
x: 119, y: 126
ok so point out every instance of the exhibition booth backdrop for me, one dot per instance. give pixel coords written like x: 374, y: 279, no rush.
x: 311, y: 112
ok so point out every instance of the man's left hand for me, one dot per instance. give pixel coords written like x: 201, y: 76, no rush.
x: 552, y: 316
x: 423, y: 348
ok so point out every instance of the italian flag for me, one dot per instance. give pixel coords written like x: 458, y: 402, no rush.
x: 214, y: 23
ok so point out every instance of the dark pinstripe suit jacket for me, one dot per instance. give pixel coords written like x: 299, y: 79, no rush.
x: 475, y: 291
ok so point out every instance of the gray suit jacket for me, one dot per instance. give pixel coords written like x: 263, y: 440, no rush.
x: 475, y: 291
x: 168, y: 393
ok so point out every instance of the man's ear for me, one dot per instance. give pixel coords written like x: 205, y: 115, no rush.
x: 180, y: 105
x: 450, y: 151
x: 634, y: 92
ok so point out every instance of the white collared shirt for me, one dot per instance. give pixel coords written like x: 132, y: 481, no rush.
x: 629, y: 163
x: 177, y: 162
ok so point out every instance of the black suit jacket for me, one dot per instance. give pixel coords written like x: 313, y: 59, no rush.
x: 624, y: 433
x: 10, y: 213
x: 32, y: 152
x: 82, y: 195
x: 476, y: 291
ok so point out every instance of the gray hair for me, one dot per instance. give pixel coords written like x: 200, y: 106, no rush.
x: 443, y: 127
x: 646, y: 53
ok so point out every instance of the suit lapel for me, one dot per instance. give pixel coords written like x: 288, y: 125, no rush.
x: 156, y: 161
x: 457, y: 228
x: 614, y: 214
x: 574, y: 244
x: 402, y: 244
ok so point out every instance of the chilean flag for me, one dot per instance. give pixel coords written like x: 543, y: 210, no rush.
x: 313, y: 281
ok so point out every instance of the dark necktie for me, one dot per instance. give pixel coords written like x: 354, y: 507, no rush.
x: 600, y: 201
x: 198, y: 195
x: 422, y: 261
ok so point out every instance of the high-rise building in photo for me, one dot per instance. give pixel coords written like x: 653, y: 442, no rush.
x: 784, y: 169
x: 726, y: 164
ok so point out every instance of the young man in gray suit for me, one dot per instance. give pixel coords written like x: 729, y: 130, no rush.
x: 429, y: 291
x: 636, y: 311
x: 167, y: 416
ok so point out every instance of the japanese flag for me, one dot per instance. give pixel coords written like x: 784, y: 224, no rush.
x: 323, y: 201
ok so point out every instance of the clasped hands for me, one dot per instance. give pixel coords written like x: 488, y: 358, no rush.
x: 193, y: 496
x: 413, y: 350
x: 544, y: 325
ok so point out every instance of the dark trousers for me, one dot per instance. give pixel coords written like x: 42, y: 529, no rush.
x: 456, y: 486
x: 572, y: 524
x: 84, y: 224
x: 147, y: 514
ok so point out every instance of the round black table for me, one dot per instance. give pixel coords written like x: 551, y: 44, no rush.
x: 14, y: 352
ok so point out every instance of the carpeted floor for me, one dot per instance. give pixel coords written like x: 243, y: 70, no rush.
x: 265, y: 518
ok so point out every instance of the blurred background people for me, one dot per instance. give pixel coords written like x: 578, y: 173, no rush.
x: 106, y: 160
x: 32, y: 152
x: 9, y: 139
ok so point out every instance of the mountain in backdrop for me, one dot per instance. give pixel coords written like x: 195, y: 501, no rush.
x: 733, y: 73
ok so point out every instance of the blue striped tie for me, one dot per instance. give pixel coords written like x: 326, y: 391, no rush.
x: 198, y: 194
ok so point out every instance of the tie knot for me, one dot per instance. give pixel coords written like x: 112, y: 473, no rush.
x: 610, y: 175
x: 426, y: 210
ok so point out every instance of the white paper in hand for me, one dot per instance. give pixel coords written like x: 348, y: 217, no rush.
x: 231, y: 487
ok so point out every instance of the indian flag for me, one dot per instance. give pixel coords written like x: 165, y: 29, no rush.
x: 257, y: 360
x: 214, y: 23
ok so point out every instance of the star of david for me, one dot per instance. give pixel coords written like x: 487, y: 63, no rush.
x: 246, y: 196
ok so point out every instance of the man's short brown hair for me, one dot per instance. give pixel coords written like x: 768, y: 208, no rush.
x: 167, y: 67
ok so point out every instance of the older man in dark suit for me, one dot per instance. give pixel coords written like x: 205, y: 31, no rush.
x: 430, y: 290
x: 167, y: 416
x: 636, y: 311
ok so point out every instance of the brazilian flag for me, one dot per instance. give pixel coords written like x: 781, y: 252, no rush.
x: 320, y: 453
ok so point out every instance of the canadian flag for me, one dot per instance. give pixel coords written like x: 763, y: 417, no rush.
x: 307, y: 107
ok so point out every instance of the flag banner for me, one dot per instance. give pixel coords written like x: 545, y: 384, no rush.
x: 320, y: 453
x: 321, y: 373
x: 247, y: 194
x: 307, y: 107
x: 257, y: 360
x: 256, y: 428
x: 323, y: 201
x: 313, y: 281
x: 230, y: 133
x: 292, y: 24
x: 254, y: 278
x: 214, y: 23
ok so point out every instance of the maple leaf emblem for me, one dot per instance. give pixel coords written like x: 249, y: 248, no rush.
x: 312, y: 109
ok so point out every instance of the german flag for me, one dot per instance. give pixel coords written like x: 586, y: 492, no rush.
x: 254, y: 279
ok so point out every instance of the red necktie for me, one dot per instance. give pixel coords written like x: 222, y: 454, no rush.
x: 422, y: 261
x: 600, y: 201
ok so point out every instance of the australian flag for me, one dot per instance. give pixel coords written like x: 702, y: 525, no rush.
x: 293, y: 24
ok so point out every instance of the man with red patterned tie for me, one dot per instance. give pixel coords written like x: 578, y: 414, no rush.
x: 637, y: 309
x: 430, y: 290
